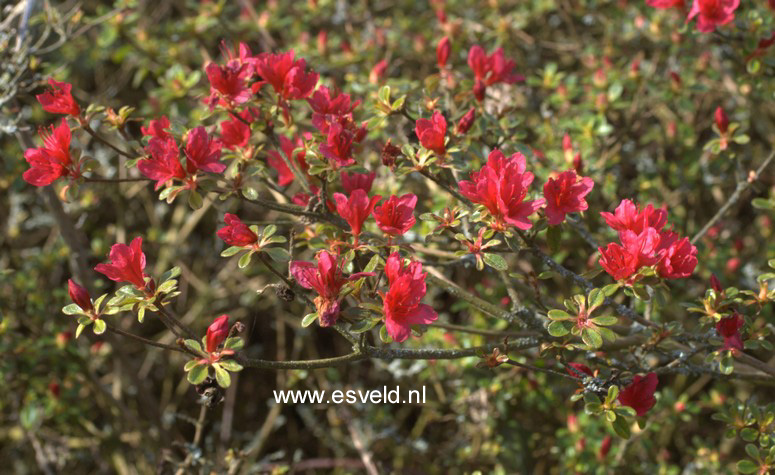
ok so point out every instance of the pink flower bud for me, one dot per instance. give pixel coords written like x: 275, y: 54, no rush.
x: 79, y: 296
x: 466, y: 121
x: 442, y: 52
x: 715, y: 283
x: 217, y: 333
x: 722, y: 121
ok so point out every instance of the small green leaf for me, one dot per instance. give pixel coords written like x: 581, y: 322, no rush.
x: 167, y: 287
x: 557, y: 329
x: 372, y: 265
x: 557, y: 314
x: 762, y: 203
x: 197, y: 374
x: 79, y: 330
x: 194, y: 200
x: 308, y: 319
x: 249, y: 192
x: 610, y: 289
x: 596, y: 298
x: 230, y: 251
x: 244, y: 261
x: 613, y: 393
x: 234, y: 343
x: 231, y: 365
x: 496, y: 261
x: 605, y: 320
x: 99, y: 327
x: 384, y: 94
x: 363, y: 325
x: 592, y: 338
x: 622, y: 427
x: 141, y: 314
x: 747, y: 466
x: 71, y: 309
x: 383, y: 334
x: 222, y: 376
x: 269, y: 230
x: 190, y: 365
x: 277, y: 254
x: 553, y: 236
x: 193, y: 345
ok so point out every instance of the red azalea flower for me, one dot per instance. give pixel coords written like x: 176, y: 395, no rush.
x: 58, y: 100
x: 157, y: 128
x: 355, y: 209
x: 431, y: 132
x: 326, y: 277
x: 202, y: 152
x: 501, y: 186
x: 664, y: 4
x: 466, y: 121
x: 566, y: 195
x: 164, y: 162
x: 442, y: 52
x: 235, y: 133
x: 729, y: 329
x: 52, y: 160
x: 678, y: 257
x: 228, y: 84
x: 396, y: 215
x: 127, y: 264
x: 286, y: 75
x: 356, y: 181
x: 712, y: 13
x: 722, y: 121
x: 217, y: 333
x: 489, y: 70
x: 339, y: 143
x: 639, y: 394
x: 629, y: 217
x: 241, y: 55
x: 236, y: 233
x: 580, y: 368
x: 327, y: 108
x: 643, y: 246
x: 617, y: 261
x: 79, y: 296
x: 284, y: 174
x: 401, y: 303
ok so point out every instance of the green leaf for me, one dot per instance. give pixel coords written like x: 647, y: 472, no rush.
x: 269, y: 230
x: 193, y: 345
x: 622, y: 427
x: 383, y: 334
x: 231, y: 365
x: 79, y: 330
x: 762, y: 203
x: 372, y: 265
x: 747, y: 466
x: 194, y: 200
x: 557, y: 314
x: 553, y: 236
x: 308, y: 319
x: 605, y: 320
x: 99, y: 327
x: 244, y: 261
x: 607, y: 334
x: 230, y: 251
x: 752, y: 451
x: 197, y: 374
x: 167, y: 287
x: 190, y: 365
x: 141, y: 314
x: 596, y: 298
x: 363, y: 325
x: 496, y: 261
x: 99, y: 300
x: 222, y: 376
x: 170, y: 274
x: 610, y: 289
x: 613, y: 393
x: 384, y: 94
x: 277, y: 254
x: 72, y: 309
x: 592, y: 338
x: 557, y: 329
x: 249, y: 192
x: 234, y: 343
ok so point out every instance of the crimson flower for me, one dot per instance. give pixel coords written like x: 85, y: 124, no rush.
x: 202, y: 152
x: 58, y: 99
x: 639, y: 394
x: 357, y: 181
x: 501, y: 186
x: 712, y: 13
x: 127, y: 264
x: 79, y: 296
x: 431, y: 132
x: 164, y: 162
x: 442, y: 52
x: 642, y: 246
x: 327, y: 278
x: 217, y: 333
x: 339, y: 142
x: 286, y: 75
x: 228, y: 84
x: 489, y: 70
x: 466, y: 121
x: 664, y: 4
x: 401, y: 303
x: 565, y: 194
x: 236, y: 133
x: 396, y: 215
x: 678, y: 257
x: 52, y: 160
x: 157, y: 128
x: 729, y: 329
x: 327, y: 108
x: 236, y: 233
x: 627, y: 216
x: 617, y: 261
x: 355, y: 209
x: 284, y: 174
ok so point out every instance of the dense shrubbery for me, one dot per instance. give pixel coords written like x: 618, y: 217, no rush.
x: 555, y: 216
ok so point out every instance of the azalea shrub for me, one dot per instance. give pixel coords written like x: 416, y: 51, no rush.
x: 553, y: 218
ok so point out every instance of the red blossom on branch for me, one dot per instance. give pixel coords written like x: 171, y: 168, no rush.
x: 327, y: 278
x: 288, y: 77
x: 355, y: 210
x: 729, y: 329
x: 235, y: 133
x: 52, y: 160
x: 712, y: 13
x: 163, y: 165
x: 217, y: 333
x: 339, y: 142
x: 566, y: 194
x: 396, y: 215
x: 431, y: 132
x: 228, y: 84
x: 466, y: 121
x: 127, y: 264
x: 501, y: 186
x: 58, y: 99
x: 79, y: 296
x: 285, y: 175
x: 157, y: 128
x: 236, y: 233
x: 328, y: 108
x: 357, y: 181
x: 401, y: 303
x: 442, y: 52
x: 639, y: 394
x: 203, y: 152
x: 628, y: 216
x: 489, y: 70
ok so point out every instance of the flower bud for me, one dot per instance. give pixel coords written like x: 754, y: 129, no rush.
x: 479, y: 89
x: 79, y: 296
x: 716, y: 284
x: 466, y: 121
x: 217, y: 333
x: 722, y: 121
x: 442, y: 52
x: 605, y: 447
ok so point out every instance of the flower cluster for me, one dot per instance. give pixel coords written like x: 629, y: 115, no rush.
x: 645, y: 244
x: 401, y: 303
x: 489, y: 70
